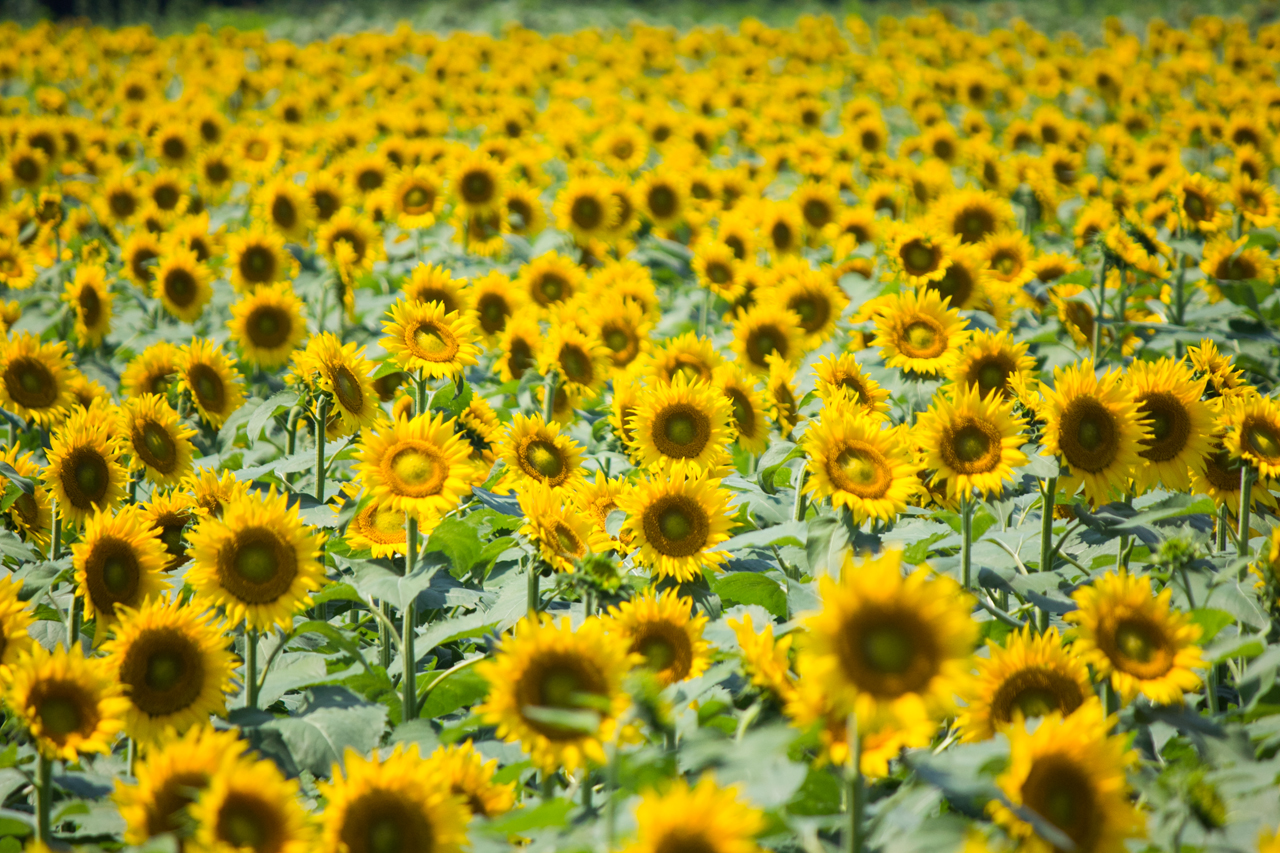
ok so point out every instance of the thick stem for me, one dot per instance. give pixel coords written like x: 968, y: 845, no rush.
x: 420, y: 395
x: 533, y: 595
x: 1102, y: 305
x: 588, y: 602
x: 1222, y: 528
x: 587, y: 802
x: 548, y: 786
x: 705, y: 318
x: 322, y: 419
x: 44, y: 798
x: 549, y: 395
x: 1048, y: 493
x: 409, y: 689
x: 853, y: 788
x: 801, y: 505
x: 77, y: 617
x: 55, y: 543
x: 291, y: 431
x: 251, y: 668
x: 384, y: 635
x: 966, y: 540
x: 1246, y: 498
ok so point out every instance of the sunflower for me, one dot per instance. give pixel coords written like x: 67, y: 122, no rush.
x: 258, y: 256
x: 563, y: 536
x: 579, y: 361
x: 90, y: 298
x: 663, y: 197
x: 375, y: 527
x: 15, y: 621
x: 842, y: 386
x: 70, y: 705
x: 174, y: 666
x: 1031, y: 675
x: 961, y: 283
x: 211, y: 378
x: 415, y: 465
x: 469, y: 777
x: 1094, y: 424
x: 159, y: 443
x: 257, y: 562
x: 17, y: 267
x: 1253, y: 432
x: 857, y: 463
x: 688, y: 354
x: 477, y: 183
x: 782, y: 227
x: 36, y: 379
x: 918, y: 332
x: 1181, y: 425
x: 547, y: 670
x: 211, y: 493
x: 781, y: 393
x: 990, y: 361
x: 1199, y: 204
x: 517, y: 347
x: 1071, y: 773
x: 815, y: 298
x: 918, y: 256
x: 683, y: 426
x: 524, y: 214
x: 84, y: 474
x: 887, y: 644
x: 357, y: 233
x: 972, y: 215
x: 596, y: 499
x: 433, y: 283
x: 31, y: 514
x: 675, y: 522
x: 747, y: 405
x: 285, y: 205
x: 586, y: 209
x: 971, y: 442
x: 551, y: 279
x: 251, y: 806
x: 268, y: 324
x: 717, y: 269
x: 426, y: 340
x: 494, y: 301
x: 342, y: 373
x: 390, y: 803
x: 623, y: 330
x: 151, y: 371
x: 327, y: 193
x: 417, y: 197
x: 705, y: 817
x: 766, y: 659
x: 536, y: 452
x: 1134, y: 637
x: 170, y: 776
x: 478, y: 427
x: 169, y: 512
x: 120, y: 561
x: 660, y: 628
x: 1221, y: 372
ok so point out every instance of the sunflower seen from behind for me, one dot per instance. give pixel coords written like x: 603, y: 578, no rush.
x: 971, y: 442
x: 859, y: 464
x: 70, y: 706
x: 548, y: 665
x: 664, y: 631
x: 174, y: 665
x: 257, y: 562
x: 674, y: 523
x: 1134, y: 637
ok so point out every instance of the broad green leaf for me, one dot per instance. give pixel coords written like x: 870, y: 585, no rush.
x: 465, y: 687
x: 752, y: 588
x: 330, y: 720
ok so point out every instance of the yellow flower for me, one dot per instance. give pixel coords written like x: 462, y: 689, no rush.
x: 71, y: 705
x: 433, y: 283
x: 357, y: 233
x: 624, y: 331
x: 880, y: 738
x: 31, y: 514
x: 1031, y: 676
x: 1217, y: 368
x: 765, y: 332
x: 90, y: 298
x: 494, y: 302
x: 1093, y: 423
x: 920, y: 333
x: 415, y: 465
x: 426, y: 340
x: 417, y: 197
x: 35, y: 379
x: 468, y: 776
x: 268, y: 324
x: 765, y: 658
x: 257, y: 256
x: 858, y: 464
x: 341, y: 372
x: 579, y: 360
x: 170, y: 512
x: 15, y: 620
x: 842, y: 386
x: 990, y: 360
x: 84, y: 474
x: 183, y: 284
x: 258, y: 562
x: 159, y: 443
x: 120, y: 561
x: 661, y: 630
x: 477, y: 183
x: 1071, y: 773
x: 747, y: 405
x: 211, y: 378
x: 151, y: 370
x: 1253, y: 432
x: 285, y: 205
x: 917, y: 256
x: 1199, y: 203
x: 211, y: 492
x: 174, y: 666
x: 971, y: 442
x: 250, y: 805
x: 1134, y: 637
x: 562, y: 535
x: 551, y: 279
x: 1181, y: 425
x: 536, y: 452
x: 884, y: 642
x: 557, y: 690
x: 683, y: 427
x: 586, y: 209
x: 704, y: 817
x: 393, y: 802
x: 674, y: 522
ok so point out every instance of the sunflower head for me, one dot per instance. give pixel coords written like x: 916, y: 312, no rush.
x: 470, y: 777
x: 683, y: 426
x: 268, y: 324
x: 212, y: 379
x: 920, y: 333
x: 85, y: 474
x: 35, y: 378
x: 537, y: 452
x: 120, y: 561
x: 415, y: 465
x: 970, y: 441
x: 70, y: 705
x: 250, y: 805
x: 424, y: 338
x: 675, y: 522
x: 661, y: 629
x: 703, y: 817
x: 858, y: 463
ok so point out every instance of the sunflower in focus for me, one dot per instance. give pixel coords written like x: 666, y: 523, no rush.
x: 257, y: 562
x: 210, y: 376
x: 84, y: 474
x: 1180, y: 423
x: 536, y: 452
x: 70, y: 705
x: 674, y: 522
x: 841, y: 385
x: 158, y: 442
x: 415, y: 465
x: 251, y: 805
x: 1094, y: 424
x: 971, y: 442
x: 35, y: 379
x: 424, y: 339
x: 683, y: 426
x: 342, y: 373
x: 705, y: 817
x: 120, y: 561
x: 1132, y: 636
x: 90, y: 298
x: 661, y: 629
x: 857, y: 463
x: 469, y: 777
x: 920, y: 333
x: 1253, y: 432
x: 545, y: 665
x: 563, y: 536
x: 1030, y: 676
x: 174, y: 666
x: 268, y: 324
x: 990, y: 361
x: 391, y: 802
x: 1071, y: 773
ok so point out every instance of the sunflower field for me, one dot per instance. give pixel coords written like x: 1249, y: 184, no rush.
x: 833, y: 437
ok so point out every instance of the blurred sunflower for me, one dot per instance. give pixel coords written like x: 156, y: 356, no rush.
x: 257, y: 256
x: 562, y: 535
x: 469, y: 777
x: 268, y: 325
x: 342, y: 373
x: 211, y: 378
x: 15, y: 621
x: 704, y: 817
x: 90, y: 298
x: 70, y: 705
x: 750, y: 420
x: 251, y: 805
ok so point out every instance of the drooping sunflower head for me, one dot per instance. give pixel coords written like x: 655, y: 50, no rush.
x: 70, y: 705
x: 85, y: 473
x: 675, y: 522
x: 857, y: 463
x: 547, y: 665
x: 211, y: 378
x: 120, y: 561
x: 970, y: 441
x: 251, y: 806
x: 465, y: 772
x: 426, y: 339
x: 268, y: 324
x: 841, y: 384
x: 174, y: 666
x: 35, y: 378
x: 1128, y: 633
x: 661, y: 629
x: 920, y: 333
x: 391, y: 803
x: 258, y: 562
x: 563, y: 535
x: 537, y: 452
x: 416, y: 465
x: 704, y: 818
x: 683, y: 426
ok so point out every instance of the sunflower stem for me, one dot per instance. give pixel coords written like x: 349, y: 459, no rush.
x: 548, y: 786
x: 1102, y: 305
x: 55, y: 543
x: 291, y: 431
x: 409, y: 687
x: 251, y: 668
x: 1211, y: 689
x: 384, y: 634
x: 1246, y: 497
x: 44, y: 798
x: 420, y: 394
x: 533, y: 595
x: 1048, y: 492
x: 853, y: 787
x: 1222, y: 528
x: 966, y: 540
x: 801, y: 505
x: 77, y: 616
x: 322, y: 419
x: 587, y: 804
x: 549, y: 395
x: 131, y: 756
x: 588, y: 602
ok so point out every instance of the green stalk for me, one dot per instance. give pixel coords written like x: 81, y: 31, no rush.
x: 409, y: 688
x: 853, y: 789
x: 533, y: 596
x: 549, y: 395
x: 548, y: 786
x: 291, y: 431
x: 77, y: 616
x: 966, y: 540
x: 322, y: 421
x: 44, y: 798
x: 251, y: 668
x: 1102, y: 305
x: 420, y: 395
x: 1222, y: 528
x: 384, y: 636
x: 705, y: 318
x: 1246, y: 497
x: 801, y: 505
x: 587, y: 804
x: 55, y: 545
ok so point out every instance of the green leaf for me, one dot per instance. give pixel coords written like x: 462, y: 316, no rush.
x: 826, y: 545
x: 752, y: 588
x: 585, y: 722
x: 11, y: 494
x: 465, y: 687
x: 330, y: 720
x: 1211, y: 621
x: 787, y: 533
x: 267, y: 410
x: 543, y: 816
x: 1241, y: 646
x: 458, y: 541
x: 333, y: 635
x: 9, y: 473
